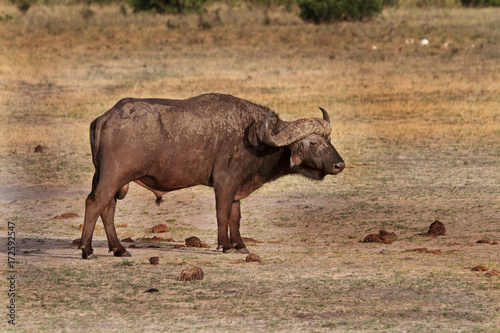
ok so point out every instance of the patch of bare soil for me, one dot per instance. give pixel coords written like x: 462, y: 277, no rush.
x: 238, y: 261
x: 157, y: 239
x: 383, y: 236
x: 493, y: 272
x: 145, y: 244
x: 250, y: 240
x: 425, y: 250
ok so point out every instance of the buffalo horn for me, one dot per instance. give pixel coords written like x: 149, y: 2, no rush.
x: 294, y: 131
x: 325, y: 114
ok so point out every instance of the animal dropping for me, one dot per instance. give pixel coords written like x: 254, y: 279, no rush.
x: 154, y: 260
x: 64, y: 216
x: 436, y: 228
x: 479, y: 268
x: 191, y: 273
x: 159, y: 228
x: 38, y: 149
x: 383, y: 236
x: 252, y: 257
x: 221, y: 141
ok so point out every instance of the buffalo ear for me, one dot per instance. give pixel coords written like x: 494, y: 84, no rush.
x: 295, y: 160
x: 252, y: 135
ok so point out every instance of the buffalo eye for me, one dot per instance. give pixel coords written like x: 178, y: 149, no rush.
x: 314, y: 143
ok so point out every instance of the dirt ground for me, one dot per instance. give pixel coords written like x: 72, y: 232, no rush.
x: 418, y: 127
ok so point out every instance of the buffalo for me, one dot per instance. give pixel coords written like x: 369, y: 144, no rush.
x: 217, y: 140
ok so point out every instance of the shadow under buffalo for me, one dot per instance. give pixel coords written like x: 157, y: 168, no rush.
x: 43, y: 247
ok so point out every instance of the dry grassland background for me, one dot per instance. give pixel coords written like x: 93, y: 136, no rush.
x: 418, y: 127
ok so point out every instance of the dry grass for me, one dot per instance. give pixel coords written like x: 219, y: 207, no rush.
x: 419, y: 128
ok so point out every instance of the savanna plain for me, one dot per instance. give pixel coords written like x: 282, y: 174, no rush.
x: 418, y: 127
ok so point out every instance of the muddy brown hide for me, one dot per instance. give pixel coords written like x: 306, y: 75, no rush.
x: 221, y: 141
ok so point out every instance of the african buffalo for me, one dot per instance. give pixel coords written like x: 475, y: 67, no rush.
x: 230, y: 144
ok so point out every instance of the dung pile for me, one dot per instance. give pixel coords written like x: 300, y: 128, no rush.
x: 437, y: 228
x: 383, y: 236
x: 194, y: 241
x: 191, y: 273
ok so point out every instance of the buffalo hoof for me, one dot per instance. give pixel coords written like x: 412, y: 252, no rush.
x: 123, y: 254
x: 244, y: 250
x: 230, y: 251
x: 89, y: 256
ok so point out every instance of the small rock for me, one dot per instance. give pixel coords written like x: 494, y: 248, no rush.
x: 159, y: 228
x: 483, y: 241
x: 436, y: 228
x: 252, y: 257
x: 494, y: 243
x: 152, y: 290
x: 128, y: 240
x: 424, y: 42
x: 191, y: 273
x: 154, y: 260
x: 479, y: 268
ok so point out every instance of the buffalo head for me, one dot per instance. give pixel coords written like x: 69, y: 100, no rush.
x: 312, y: 153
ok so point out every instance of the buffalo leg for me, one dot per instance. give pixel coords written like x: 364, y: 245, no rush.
x: 92, y: 212
x: 108, y: 217
x: 223, y: 206
x: 96, y: 202
x: 234, y: 227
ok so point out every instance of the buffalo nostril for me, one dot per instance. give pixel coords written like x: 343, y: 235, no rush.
x: 338, y: 167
